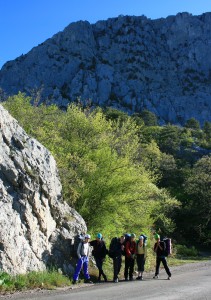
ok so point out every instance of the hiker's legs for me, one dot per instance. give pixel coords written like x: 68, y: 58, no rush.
x: 166, y: 266
x: 85, y: 267
x: 115, y: 265
x: 99, y: 264
x: 140, y: 263
x: 119, y: 259
x: 158, y: 260
x: 131, y: 268
x: 117, y: 262
x: 127, y: 265
x: 78, y: 269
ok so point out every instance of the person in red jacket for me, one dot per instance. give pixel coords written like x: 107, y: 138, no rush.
x: 130, y: 251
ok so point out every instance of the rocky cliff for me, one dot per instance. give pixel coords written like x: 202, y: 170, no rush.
x: 131, y: 63
x: 37, y: 227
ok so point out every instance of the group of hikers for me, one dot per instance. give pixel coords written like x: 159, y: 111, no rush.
x: 134, y: 251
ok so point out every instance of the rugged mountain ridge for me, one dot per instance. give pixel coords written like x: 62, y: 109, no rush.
x: 38, y: 229
x: 131, y: 63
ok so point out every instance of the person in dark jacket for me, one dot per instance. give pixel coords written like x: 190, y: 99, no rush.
x: 130, y: 251
x: 99, y: 252
x: 116, y: 255
x: 159, y: 249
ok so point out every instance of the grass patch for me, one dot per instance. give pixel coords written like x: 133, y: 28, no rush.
x: 32, y: 280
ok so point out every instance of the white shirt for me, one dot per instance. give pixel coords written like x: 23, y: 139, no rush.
x: 86, y: 248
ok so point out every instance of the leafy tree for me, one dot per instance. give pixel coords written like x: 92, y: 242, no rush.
x: 198, y: 190
x: 164, y: 214
x: 207, y: 129
x: 149, y: 133
x: 137, y: 119
x: 168, y: 171
x: 115, y: 114
x: 98, y: 159
x: 150, y: 156
x: 187, y: 139
x: 150, y: 119
x: 169, y: 139
x: 192, y: 123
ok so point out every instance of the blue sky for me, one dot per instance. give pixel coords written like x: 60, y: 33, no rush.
x: 26, y: 23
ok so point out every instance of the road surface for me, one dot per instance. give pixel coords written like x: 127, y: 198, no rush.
x: 191, y: 281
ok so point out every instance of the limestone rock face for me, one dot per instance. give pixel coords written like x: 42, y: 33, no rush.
x: 131, y: 63
x: 37, y: 227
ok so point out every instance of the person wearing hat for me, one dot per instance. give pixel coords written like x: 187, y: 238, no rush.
x: 99, y: 252
x: 130, y: 251
x: 83, y: 253
x: 159, y: 249
x: 141, y: 254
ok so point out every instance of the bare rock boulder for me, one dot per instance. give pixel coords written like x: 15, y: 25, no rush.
x: 37, y: 227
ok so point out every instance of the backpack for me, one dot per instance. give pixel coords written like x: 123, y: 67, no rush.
x: 127, y: 238
x: 113, y: 247
x: 77, y: 240
x: 167, y: 250
x: 145, y: 239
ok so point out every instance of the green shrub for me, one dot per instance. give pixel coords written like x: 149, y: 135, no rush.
x: 31, y: 280
x: 183, y: 250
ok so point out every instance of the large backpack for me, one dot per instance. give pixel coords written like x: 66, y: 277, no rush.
x: 167, y: 242
x: 113, y: 247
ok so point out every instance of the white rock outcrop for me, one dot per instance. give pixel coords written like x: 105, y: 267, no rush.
x: 37, y: 228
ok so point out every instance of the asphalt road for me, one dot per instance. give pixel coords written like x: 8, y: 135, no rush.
x: 191, y: 281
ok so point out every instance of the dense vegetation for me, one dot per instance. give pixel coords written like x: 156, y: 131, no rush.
x: 126, y: 173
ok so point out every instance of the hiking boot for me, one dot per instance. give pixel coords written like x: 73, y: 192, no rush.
x: 126, y: 279
x: 169, y: 278
x: 88, y: 281
x: 105, y: 278
x: 138, y: 278
x: 131, y: 278
x: 141, y: 278
x: 156, y: 276
x: 99, y: 279
x: 116, y: 280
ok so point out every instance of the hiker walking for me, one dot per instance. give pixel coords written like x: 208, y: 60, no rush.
x: 130, y: 251
x: 99, y: 252
x: 116, y: 249
x: 159, y: 249
x: 141, y: 254
x: 83, y: 253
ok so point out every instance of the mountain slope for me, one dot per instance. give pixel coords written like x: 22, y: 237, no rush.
x: 127, y: 62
